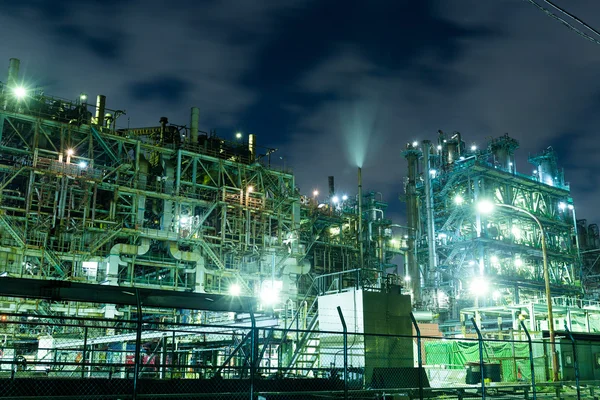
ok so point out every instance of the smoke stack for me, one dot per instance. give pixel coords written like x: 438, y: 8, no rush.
x: 13, y: 72
x: 331, y: 186
x: 252, y: 146
x: 194, y: 120
x: 100, y: 107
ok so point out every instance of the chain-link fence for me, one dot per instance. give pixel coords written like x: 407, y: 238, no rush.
x: 54, y: 357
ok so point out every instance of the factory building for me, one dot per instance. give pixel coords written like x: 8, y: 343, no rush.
x: 491, y: 242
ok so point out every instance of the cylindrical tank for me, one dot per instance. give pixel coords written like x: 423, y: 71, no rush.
x: 194, y: 121
x: 13, y: 72
x: 100, y: 107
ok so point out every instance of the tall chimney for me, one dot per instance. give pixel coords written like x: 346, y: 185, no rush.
x: 252, y: 146
x: 194, y: 120
x: 331, y: 186
x: 100, y: 107
x: 13, y: 73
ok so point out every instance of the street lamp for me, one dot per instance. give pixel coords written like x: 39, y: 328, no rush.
x: 486, y: 206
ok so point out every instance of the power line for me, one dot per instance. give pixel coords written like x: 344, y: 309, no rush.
x: 566, y: 23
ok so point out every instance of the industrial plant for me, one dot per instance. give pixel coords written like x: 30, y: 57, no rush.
x: 205, y: 241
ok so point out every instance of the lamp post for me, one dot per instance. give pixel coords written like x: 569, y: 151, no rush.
x: 487, y: 207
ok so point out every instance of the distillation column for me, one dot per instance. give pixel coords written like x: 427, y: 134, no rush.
x: 412, y: 216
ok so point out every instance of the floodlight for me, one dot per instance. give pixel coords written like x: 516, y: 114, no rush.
x: 485, y: 206
x: 473, y: 148
x: 407, y: 278
x: 494, y: 259
x: 250, y: 189
x: 238, y: 135
x: 315, y: 193
x: 335, y: 199
x: 439, y: 147
x: 562, y: 205
x: 20, y: 92
x: 183, y: 220
x: 235, y: 289
x: 82, y: 164
x: 458, y: 199
x: 83, y: 97
x: 269, y: 293
x: 344, y: 198
x: 70, y: 152
x: 518, y: 262
x: 571, y: 207
x: 415, y: 143
x: 479, y: 286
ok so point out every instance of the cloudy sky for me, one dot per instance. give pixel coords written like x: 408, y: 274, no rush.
x: 330, y: 83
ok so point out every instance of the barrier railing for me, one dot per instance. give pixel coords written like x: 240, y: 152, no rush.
x: 58, y: 357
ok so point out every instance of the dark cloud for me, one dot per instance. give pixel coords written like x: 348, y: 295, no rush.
x: 165, y: 88
x: 331, y: 83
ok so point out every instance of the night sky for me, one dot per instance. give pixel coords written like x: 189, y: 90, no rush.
x: 330, y: 83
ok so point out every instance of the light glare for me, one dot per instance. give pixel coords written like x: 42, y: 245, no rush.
x: 479, y: 286
x: 235, y: 289
x: 20, y: 92
x: 485, y: 206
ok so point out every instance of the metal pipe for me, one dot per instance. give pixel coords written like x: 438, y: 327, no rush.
x: 194, y: 121
x: 138, y: 344
x: 419, y: 356
x: 13, y: 73
x: 412, y: 220
x: 100, y: 107
x: 429, y: 207
x: 252, y: 147
x: 360, y: 227
x: 575, y: 363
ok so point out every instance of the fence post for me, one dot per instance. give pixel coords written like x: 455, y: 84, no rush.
x: 481, y: 365
x: 138, y: 345
x: 575, y: 363
x: 419, y: 358
x: 531, y: 364
x: 252, y: 353
x: 84, y: 352
x: 345, y: 330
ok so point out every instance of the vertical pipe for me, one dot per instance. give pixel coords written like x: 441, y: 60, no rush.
x: 531, y: 364
x: 13, y: 73
x: 360, y: 232
x: 412, y: 219
x: 419, y: 356
x: 100, y: 108
x: 430, y: 218
x: 345, y: 330
x: 481, y: 365
x: 194, y: 121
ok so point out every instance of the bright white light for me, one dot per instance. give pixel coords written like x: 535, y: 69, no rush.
x: 442, y: 297
x: 70, y: 152
x: 393, y: 242
x: 571, y: 207
x: 83, y: 97
x: 20, y: 92
x: 407, y: 278
x: 510, y: 164
x: 82, y: 164
x: 442, y: 236
x: 562, y: 205
x: 518, y: 262
x: 516, y: 232
x: 494, y: 259
x: 432, y: 173
x: 485, y: 206
x: 250, y: 189
x: 439, y: 147
x: 473, y: 148
x: 461, y: 158
x: 235, y: 289
x: 479, y: 286
x: 535, y: 171
x: 458, y: 199
x: 315, y: 193
x: 269, y: 293
x: 335, y: 199
x: 238, y: 135
x: 184, y: 220
x: 415, y: 143
x: 496, y: 295
x: 471, y: 262
x: 344, y: 197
